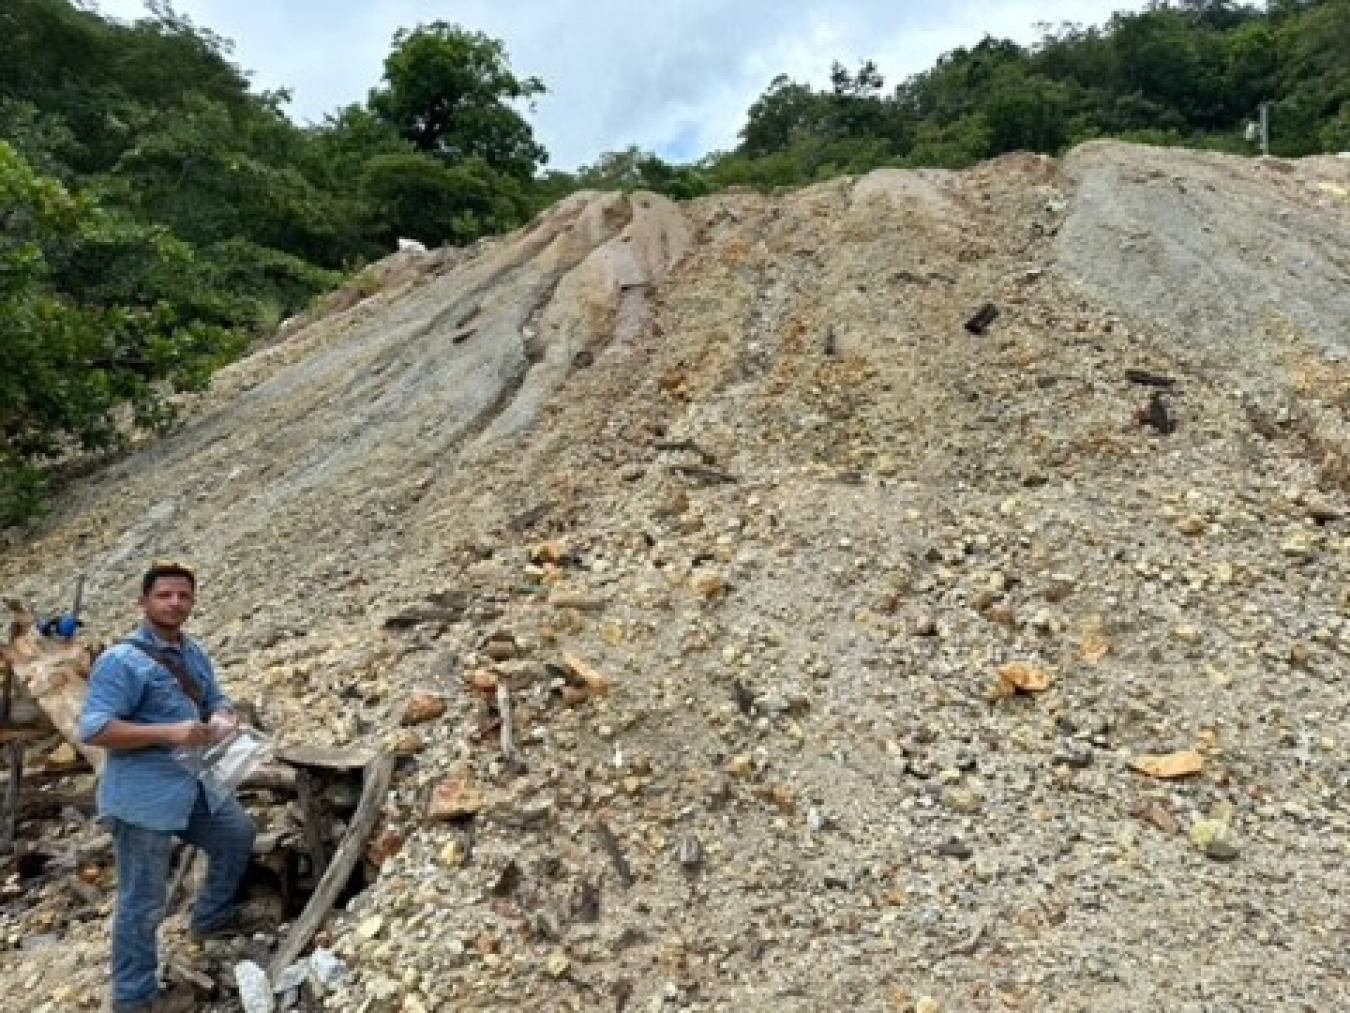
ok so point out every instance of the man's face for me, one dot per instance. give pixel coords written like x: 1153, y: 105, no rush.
x: 169, y: 602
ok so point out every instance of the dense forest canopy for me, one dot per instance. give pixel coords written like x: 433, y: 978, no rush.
x: 157, y: 212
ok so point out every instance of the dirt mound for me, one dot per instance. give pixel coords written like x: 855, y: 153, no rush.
x: 890, y: 613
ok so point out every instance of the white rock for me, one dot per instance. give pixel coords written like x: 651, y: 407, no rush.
x: 255, y: 991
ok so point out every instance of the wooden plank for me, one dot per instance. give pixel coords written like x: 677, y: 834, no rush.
x: 54, y: 673
x: 315, y: 815
x: 180, y: 877
x: 24, y: 735
x: 373, y: 791
x: 9, y: 832
x: 271, y: 777
x: 327, y: 757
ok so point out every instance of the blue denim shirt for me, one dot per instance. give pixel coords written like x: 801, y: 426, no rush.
x: 147, y: 787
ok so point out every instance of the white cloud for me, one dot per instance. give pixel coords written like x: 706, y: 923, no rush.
x: 675, y: 77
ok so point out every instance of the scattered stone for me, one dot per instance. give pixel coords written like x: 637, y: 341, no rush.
x: 371, y: 927
x: 1170, y: 766
x: 984, y: 316
x: 690, y: 854
x: 325, y: 967
x: 255, y: 991
x: 707, y: 584
x: 64, y: 755
x: 1163, y: 819
x: 501, y: 650
x: 1213, y: 837
x: 455, y: 798
x: 422, y: 708
x: 954, y: 847
x: 594, y: 683
x: 558, y: 964
x: 882, y: 492
x: 1192, y: 524
x: 1021, y: 678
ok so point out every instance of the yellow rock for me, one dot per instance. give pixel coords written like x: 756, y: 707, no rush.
x: 371, y: 927
x: 707, y: 584
x: 1171, y: 765
x: 1192, y: 524
x: 1020, y: 678
x: 452, y: 855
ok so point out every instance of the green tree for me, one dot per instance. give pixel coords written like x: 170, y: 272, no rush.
x: 416, y: 196
x: 70, y: 367
x: 449, y: 92
x: 787, y: 110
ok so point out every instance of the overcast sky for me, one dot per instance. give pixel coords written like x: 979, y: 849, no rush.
x: 671, y: 76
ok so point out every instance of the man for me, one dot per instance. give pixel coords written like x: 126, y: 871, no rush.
x: 151, y: 696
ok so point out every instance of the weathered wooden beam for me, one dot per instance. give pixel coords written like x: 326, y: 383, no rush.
x: 315, y: 818
x: 275, y: 777
x: 9, y: 832
x: 373, y: 791
x: 53, y: 673
x: 327, y: 757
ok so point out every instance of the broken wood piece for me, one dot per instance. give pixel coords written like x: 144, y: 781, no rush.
x: 9, y: 832
x: 52, y: 674
x: 1146, y: 379
x: 315, y: 818
x: 616, y: 856
x: 180, y: 877
x: 374, y: 788
x: 596, y: 683
x: 509, y: 752
x: 271, y: 777
x: 328, y: 757
x: 22, y: 735
x: 704, y: 474
x: 183, y: 971
x: 985, y: 316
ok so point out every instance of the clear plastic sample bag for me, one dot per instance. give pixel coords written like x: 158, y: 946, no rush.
x: 222, y: 766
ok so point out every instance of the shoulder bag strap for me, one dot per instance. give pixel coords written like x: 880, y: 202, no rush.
x: 176, y: 668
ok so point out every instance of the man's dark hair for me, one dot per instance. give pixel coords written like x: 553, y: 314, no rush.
x: 166, y: 569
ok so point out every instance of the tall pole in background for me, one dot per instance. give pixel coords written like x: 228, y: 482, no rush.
x: 1265, y: 128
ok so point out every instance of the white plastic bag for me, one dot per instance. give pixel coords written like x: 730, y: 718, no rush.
x: 226, y: 763
x: 222, y: 766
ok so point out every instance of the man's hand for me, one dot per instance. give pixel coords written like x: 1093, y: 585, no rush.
x: 187, y: 735
x: 222, y: 725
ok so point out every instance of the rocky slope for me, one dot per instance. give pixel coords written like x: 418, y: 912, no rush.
x: 888, y: 613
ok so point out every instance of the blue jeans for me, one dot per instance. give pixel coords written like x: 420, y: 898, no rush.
x: 144, y: 861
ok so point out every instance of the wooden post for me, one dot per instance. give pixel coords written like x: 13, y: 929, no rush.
x: 375, y: 786
x: 9, y: 833
x: 308, y: 793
